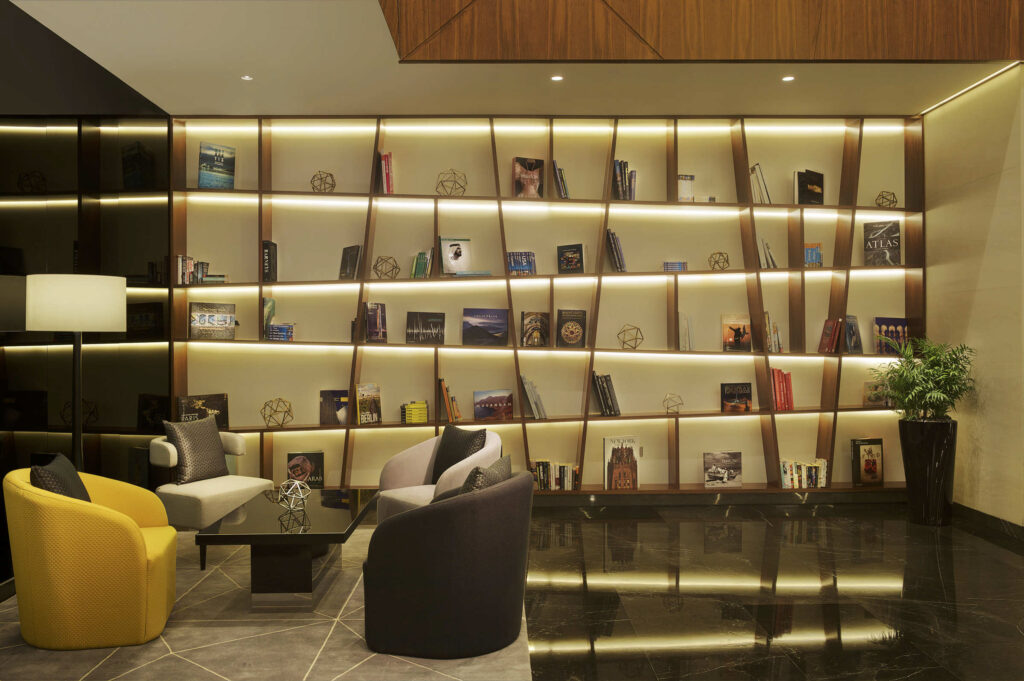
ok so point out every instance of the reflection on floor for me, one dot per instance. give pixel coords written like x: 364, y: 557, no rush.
x: 769, y: 593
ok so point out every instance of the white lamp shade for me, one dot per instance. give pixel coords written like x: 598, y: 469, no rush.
x: 75, y: 302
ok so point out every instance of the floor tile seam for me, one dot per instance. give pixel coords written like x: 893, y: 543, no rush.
x: 371, y: 655
x: 182, y: 657
x: 97, y: 665
x: 244, y: 638
x: 423, y: 666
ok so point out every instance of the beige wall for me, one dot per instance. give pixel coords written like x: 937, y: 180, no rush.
x: 975, y: 220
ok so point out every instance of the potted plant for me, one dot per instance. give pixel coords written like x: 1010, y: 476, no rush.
x: 924, y: 384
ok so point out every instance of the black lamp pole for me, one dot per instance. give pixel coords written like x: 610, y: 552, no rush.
x: 76, y: 402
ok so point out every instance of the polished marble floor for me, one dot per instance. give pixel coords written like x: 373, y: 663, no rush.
x: 769, y: 593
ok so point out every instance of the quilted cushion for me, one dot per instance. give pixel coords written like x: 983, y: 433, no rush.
x: 481, y: 478
x: 200, y: 452
x: 456, y: 444
x: 60, y: 477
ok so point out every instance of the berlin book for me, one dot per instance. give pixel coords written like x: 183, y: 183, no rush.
x: 211, y: 321
x: 333, y: 407
x: 424, y: 328
x: 216, y: 166
x: 882, y: 244
x: 528, y: 176
x: 484, y: 326
x: 736, y: 397
x: 376, y: 323
x: 195, y: 407
x: 368, y: 403
x: 536, y: 327
x: 571, y: 329
x: 307, y: 467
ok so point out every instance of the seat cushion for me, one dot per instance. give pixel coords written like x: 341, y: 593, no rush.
x: 456, y: 444
x: 200, y: 504
x: 200, y: 452
x: 60, y: 477
x: 394, y: 501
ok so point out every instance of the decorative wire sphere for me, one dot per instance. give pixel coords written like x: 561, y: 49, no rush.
x: 886, y: 199
x: 292, y: 495
x: 673, y: 403
x: 386, y: 267
x: 277, y: 413
x: 90, y: 413
x: 32, y: 182
x: 630, y: 337
x: 294, y: 522
x: 451, y: 182
x: 322, y: 181
x: 719, y: 260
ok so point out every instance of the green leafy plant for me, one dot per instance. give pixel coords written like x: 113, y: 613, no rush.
x: 927, y: 379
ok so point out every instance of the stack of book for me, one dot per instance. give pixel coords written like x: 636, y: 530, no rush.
x: 415, y: 412
x: 623, y: 181
x: 191, y: 271
x: 766, y: 256
x: 615, y: 251
x: 559, y: 477
x: 830, y: 335
x: 773, y: 342
x: 559, y: 175
x: 284, y: 331
x: 782, y: 390
x: 533, y: 399
x: 451, y: 407
x: 386, y: 183
x: 673, y: 266
x: 421, y: 264
x: 521, y: 263
x: 797, y: 474
x: 605, y: 392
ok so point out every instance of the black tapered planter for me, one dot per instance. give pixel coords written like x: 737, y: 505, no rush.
x: 929, y: 450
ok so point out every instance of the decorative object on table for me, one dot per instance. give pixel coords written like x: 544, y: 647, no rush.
x: 32, y: 182
x: 886, y: 199
x: 333, y: 407
x: 535, y: 328
x: 723, y: 469
x: 492, y: 405
x: 307, y: 467
x: 424, y: 328
x: 673, y: 403
x: 294, y: 522
x: 719, y: 260
x: 451, y: 182
x: 890, y: 334
x: 528, y: 177
x: 211, y: 321
x: 77, y: 303
x: 485, y: 326
x: 90, y: 413
x: 322, y: 182
x: 571, y: 329
x: 620, y: 462
x: 736, y: 333
x: 455, y: 255
x: 195, y: 407
x: 386, y: 267
x: 216, y: 166
x: 882, y: 243
x: 736, y: 397
x: 277, y: 413
x: 925, y: 383
x: 866, y: 461
x: 292, y: 495
x: 630, y: 337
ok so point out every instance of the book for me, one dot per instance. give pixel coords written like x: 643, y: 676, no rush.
x: 455, y: 255
x: 758, y: 185
x: 445, y: 401
x: 782, y: 389
x: 528, y: 177
x: 195, y: 407
x: 736, y: 333
x: 766, y: 256
x: 424, y: 328
x: 893, y: 328
x: 571, y: 329
x: 812, y: 254
x: 723, y: 469
x: 307, y: 467
x: 368, y: 403
x: 620, y: 462
x: 269, y: 311
x: 281, y: 331
x: 384, y: 181
x: 570, y: 259
x: 415, y: 412
x: 674, y: 266
x: 484, y: 326
x: 882, y: 243
x: 866, y: 461
x: 559, y: 177
x: 853, y: 342
x: 269, y: 261
x: 211, y: 321
x: 736, y: 397
x: 521, y: 263
x: 492, y: 405
x: 874, y: 395
x: 685, y: 187
x: 151, y: 413
x: 376, y: 322
x: 565, y: 187
x: 533, y: 400
x: 421, y: 263
x: 535, y: 329
x: 830, y: 333
x: 808, y: 187
x: 349, y: 268
x: 138, y: 170
x: 144, y: 321
x: 333, y: 407
x: 216, y: 166
x: 773, y: 340
x: 607, y: 401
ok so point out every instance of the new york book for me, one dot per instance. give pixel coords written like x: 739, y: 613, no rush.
x: 736, y: 333
x: 893, y: 328
x: 723, y: 469
x: 307, y: 467
x: 211, y: 321
x: 736, y: 397
x: 368, y: 403
x: 492, y: 405
x: 424, y: 328
x: 376, y: 322
x: 484, y: 326
x: 455, y: 255
x: 882, y: 243
x: 349, y: 262
x: 620, y: 462
x: 528, y: 176
x: 570, y: 259
x: 333, y: 407
x: 866, y: 454
x: 195, y: 407
x: 216, y: 166
x: 536, y: 329
x: 571, y: 329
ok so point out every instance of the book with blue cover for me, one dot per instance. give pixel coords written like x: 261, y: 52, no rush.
x: 216, y: 166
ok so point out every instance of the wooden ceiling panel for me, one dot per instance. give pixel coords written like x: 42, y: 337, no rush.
x: 420, y: 20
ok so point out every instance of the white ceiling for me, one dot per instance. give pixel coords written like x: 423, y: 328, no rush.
x: 337, y: 57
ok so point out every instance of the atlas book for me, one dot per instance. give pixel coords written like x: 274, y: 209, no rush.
x: 196, y: 407
x: 455, y: 255
x: 571, y: 329
x: 307, y: 467
x: 723, y: 469
x: 536, y: 329
x: 528, y: 177
x: 875, y: 396
x: 685, y: 186
x: 522, y: 263
x: 808, y: 187
x: 349, y: 262
x: 211, y: 321
x: 620, y: 462
x: 736, y: 397
x: 854, y: 346
x: 812, y: 254
x: 424, y: 328
x: 333, y: 407
x: 492, y: 405
x: 484, y: 326
x: 376, y: 322
x: 893, y: 328
x: 570, y: 259
x: 867, y: 461
x: 368, y: 403
x: 736, y: 333
x: 882, y: 244
x: 216, y: 166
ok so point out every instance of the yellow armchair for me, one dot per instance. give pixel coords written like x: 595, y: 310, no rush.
x: 90, y: 575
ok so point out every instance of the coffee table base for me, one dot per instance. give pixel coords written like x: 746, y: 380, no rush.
x: 281, y: 576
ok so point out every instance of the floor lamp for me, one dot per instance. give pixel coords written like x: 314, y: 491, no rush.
x: 77, y: 303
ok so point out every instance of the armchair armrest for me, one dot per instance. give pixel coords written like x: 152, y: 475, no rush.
x: 162, y: 453
x: 456, y: 474
x: 410, y: 467
x: 139, y: 504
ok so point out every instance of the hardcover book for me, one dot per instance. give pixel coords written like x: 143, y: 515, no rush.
x: 492, y: 405
x: 736, y: 333
x: 269, y: 261
x: 424, y: 328
x: 723, y: 469
x: 620, y: 462
x: 138, y: 169
x: 484, y: 326
x: 685, y: 186
x: 874, y: 395
x: 522, y: 263
x: 195, y: 407
x: 307, y: 467
x: 737, y: 397
x: 333, y: 407
x: 808, y: 187
x: 812, y: 254
x: 570, y: 259
x: 882, y: 243
x: 216, y: 166
x: 867, y: 461
x: 153, y: 410
x: 893, y: 328
x: 528, y: 177
x: 455, y: 255
x: 853, y: 342
x: 368, y: 403
x: 536, y: 328
x: 349, y: 262
x: 571, y: 329
x: 144, y: 321
x: 376, y: 322
x: 211, y: 321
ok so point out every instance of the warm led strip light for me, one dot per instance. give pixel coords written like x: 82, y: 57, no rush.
x: 240, y: 290
x: 283, y: 290
x: 39, y: 128
x: 237, y: 200
x: 523, y: 208
x: 405, y: 205
x: 320, y: 129
x: 135, y: 129
x: 970, y: 87
x: 159, y: 198
x: 147, y: 345
x: 38, y: 203
x: 677, y: 211
x: 436, y: 127
x: 725, y: 278
x: 450, y: 206
x: 316, y: 202
x: 207, y: 127
x: 426, y: 284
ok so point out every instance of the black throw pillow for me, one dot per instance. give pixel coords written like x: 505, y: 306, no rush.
x: 456, y: 444
x: 200, y: 451
x: 60, y: 477
x: 480, y: 478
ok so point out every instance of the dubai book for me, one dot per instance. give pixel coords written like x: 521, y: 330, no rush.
x: 571, y: 329
x: 376, y: 322
x: 307, y: 467
x: 216, y: 166
x: 723, y: 469
x: 875, y: 395
x: 536, y: 329
x: 737, y: 397
x: 368, y: 403
x: 211, y: 321
x: 349, y: 262
x: 892, y: 328
x: 620, y: 462
x: 736, y: 333
x: 195, y: 407
x: 528, y: 177
x: 867, y: 461
x: 152, y: 411
x: 492, y: 405
x: 570, y: 259
x: 333, y: 407
x: 854, y: 346
x: 455, y: 255
x: 424, y: 328
x: 484, y: 326
x: 882, y: 243
x: 808, y: 187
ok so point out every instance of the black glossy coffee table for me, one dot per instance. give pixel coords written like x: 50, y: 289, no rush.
x: 283, y: 543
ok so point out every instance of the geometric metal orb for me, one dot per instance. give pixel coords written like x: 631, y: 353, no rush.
x: 277, y: 413
x: 90, y: 413
x: 886, y: 199
x: 32, y: 182
x: 292, y: 495
x: 719, y: 260
x: 673, y: 403
x: 451, y: 183
x: 322, y: 181
x: 630, y: 337
x: 294, y: 522
x: 386, y: 267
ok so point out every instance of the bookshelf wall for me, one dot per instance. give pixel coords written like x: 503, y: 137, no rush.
x: 276, y: 156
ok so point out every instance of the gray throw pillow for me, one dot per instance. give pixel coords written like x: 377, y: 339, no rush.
x: 200, y: 452
x: 456, y: 444
x: 482, y: 478
x: 60, y: 477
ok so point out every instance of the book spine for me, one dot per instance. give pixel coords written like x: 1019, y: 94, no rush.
x: 789, y: 391
x: 618, y: 250
x: 595, y: 381
x: 565, y: 187
x: 632, y: 185
x: 614, y: 399
x: 617, y: 184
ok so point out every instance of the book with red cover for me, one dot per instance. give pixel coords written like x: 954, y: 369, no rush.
x: 828, y: 333
x: 789, y: 391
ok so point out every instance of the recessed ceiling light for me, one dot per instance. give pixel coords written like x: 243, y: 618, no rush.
x: 247, y: 77
x: 556, y: 77
x: 788, y: 79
